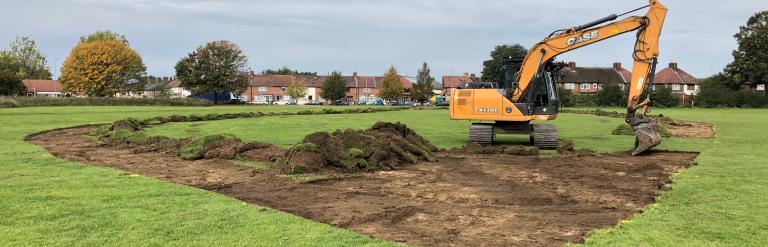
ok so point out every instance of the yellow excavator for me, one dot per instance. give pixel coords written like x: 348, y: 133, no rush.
x: 527, y: 90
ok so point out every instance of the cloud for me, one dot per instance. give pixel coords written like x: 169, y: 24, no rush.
x: 366, y: 35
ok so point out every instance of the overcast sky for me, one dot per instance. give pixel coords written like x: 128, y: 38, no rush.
x: 453, y: 36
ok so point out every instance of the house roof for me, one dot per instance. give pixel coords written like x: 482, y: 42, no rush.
x: 452, y: 81
x: 572, y: 74
x: 674, y: 75
x: 317, y: 81
x: 42, y: 85
x: 625, y: 74
x: 173, y: 84
x: 156, y: 86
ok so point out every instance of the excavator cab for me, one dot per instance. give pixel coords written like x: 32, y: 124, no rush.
x: 541, y: 97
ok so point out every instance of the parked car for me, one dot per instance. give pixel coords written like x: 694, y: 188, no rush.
x: 339, y: 102
x: 378, y: 102
x: 402, y: 103
x: 259, y: 101
x: 284, y: 102
x: 312, y: 102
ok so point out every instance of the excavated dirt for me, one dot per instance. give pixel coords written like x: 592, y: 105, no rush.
x: 463, y: 199
x: 689, y: 129
x: 385, y: 146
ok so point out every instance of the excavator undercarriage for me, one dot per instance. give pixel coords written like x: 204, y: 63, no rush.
x: 543, y: 136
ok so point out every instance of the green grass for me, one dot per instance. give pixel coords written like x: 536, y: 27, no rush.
x: 49, y: 201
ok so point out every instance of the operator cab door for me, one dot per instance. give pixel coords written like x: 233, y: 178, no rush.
x: 544, y: 95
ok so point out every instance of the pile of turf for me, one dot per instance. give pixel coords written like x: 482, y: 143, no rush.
x: 384, y: 146
x: 228, y: 147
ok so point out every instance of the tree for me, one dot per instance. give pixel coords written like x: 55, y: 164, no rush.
x: 750, y: 59
x: 334, y: 88
x: 499, y: 55
x: 102, y: 68
x: 25, y: 60
x: 296, y: 89
x: 217, y: 67
x: 285, y: 71
x: 566, y: 98
x: 391, y: 87
x: 662, y: 96
x: 103, y: 36
x: 11, y: 85
x: 425, y: 84
x: 610, y: 95
x: 715, y: 92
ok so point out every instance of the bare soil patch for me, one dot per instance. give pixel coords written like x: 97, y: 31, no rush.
x: 691, y: 129
x: 463, y: 199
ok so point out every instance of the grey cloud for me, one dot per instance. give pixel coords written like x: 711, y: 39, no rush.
x: 367, y: 36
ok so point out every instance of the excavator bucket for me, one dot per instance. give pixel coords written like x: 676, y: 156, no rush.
x: 647, y: 136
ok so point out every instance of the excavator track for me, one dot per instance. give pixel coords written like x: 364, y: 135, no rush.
x: 481, y: 133
x: 544, y: 136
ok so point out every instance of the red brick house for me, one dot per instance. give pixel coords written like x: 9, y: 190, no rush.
x: 451, y: 82
x: 47, y: 88
x: 588, y: 80
x: 683, y: 84
x: 360, y: 89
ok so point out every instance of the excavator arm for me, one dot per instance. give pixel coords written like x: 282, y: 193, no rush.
x: 646, y: 52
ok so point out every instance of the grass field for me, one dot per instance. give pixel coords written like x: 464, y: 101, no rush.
x: 48, y: 201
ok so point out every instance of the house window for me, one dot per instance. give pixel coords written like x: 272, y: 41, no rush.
x: 676, y: 87
x: 691, y: 87
x: 584, y: 86
x: 653, y: 87
x: 569, y: 86
x: 761, y: 87
x: 366, y: 90
x: 262, y: 88
x: 349, y: 98
x: 594, y: 85
x: 309, y: 97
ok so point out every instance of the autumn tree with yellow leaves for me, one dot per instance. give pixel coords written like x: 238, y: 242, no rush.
x: 102, y: 67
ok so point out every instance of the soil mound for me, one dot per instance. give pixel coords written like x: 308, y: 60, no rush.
x: 129, y: 124
x: 567, y: 148
x: 235, y: 149
x: 384, y: 146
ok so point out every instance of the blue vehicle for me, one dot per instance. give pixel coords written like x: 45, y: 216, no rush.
x: 378, y: 103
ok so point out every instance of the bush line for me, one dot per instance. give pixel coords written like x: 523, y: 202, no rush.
x: 11, y: 102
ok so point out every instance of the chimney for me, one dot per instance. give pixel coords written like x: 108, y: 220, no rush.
x: 673, y: 65
x: 617, y: 66
x: 466, y: 76
x: 354, y: 74
x: 572, y: 65
x: 472, y: 77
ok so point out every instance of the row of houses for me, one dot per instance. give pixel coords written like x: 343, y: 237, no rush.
x: 268, y: 89
x: 359, y: 89
x: 589, y: 80
x: 265, y: 89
